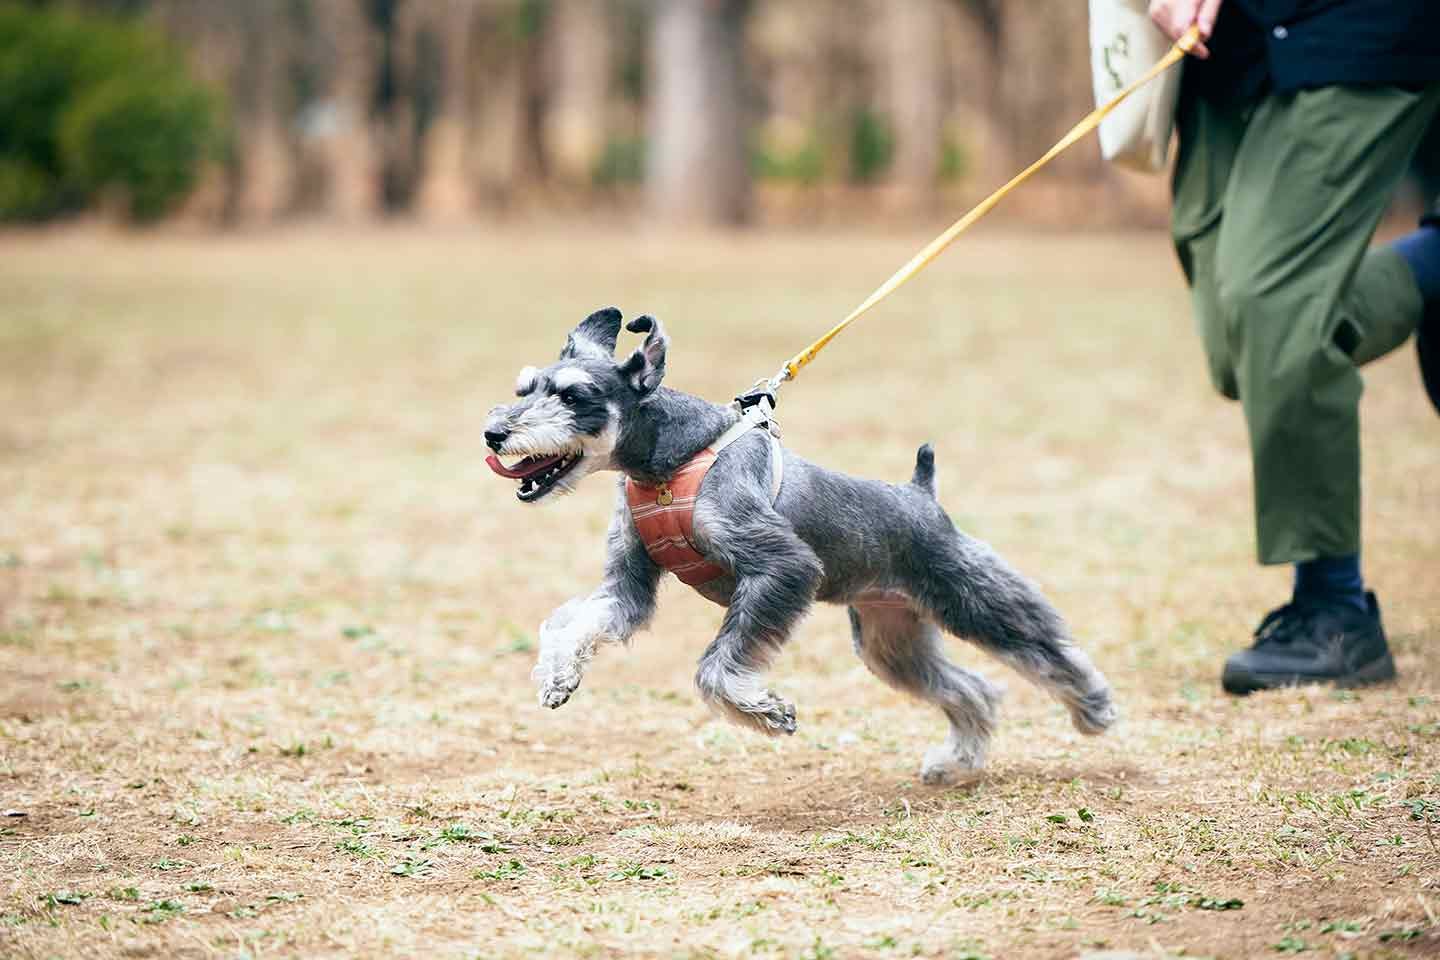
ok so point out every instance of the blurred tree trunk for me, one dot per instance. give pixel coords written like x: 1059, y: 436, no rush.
x: 352, y: 161
x: 264, y: 161
x: 508, y: 102
x: 242, y: 50
x: 915, y: 81
x: 698, y: 169
x: 580, y: 56
x: 445, y: 190
x: 400, y: 25
x: 1045, y: 84
x: 988, y: 123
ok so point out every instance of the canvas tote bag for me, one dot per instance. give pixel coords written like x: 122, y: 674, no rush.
x: 1124, y: 43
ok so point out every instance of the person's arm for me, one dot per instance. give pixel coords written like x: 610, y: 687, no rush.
x: 1174, y: 17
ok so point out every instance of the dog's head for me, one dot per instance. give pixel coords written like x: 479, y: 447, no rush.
x: 567, y: 421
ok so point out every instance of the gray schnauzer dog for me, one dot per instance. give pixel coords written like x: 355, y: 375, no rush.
x: 889, y: 552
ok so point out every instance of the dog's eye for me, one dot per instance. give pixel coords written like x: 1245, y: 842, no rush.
x: 569, y: 396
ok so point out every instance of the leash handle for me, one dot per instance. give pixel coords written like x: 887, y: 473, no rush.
x: 935, y: 247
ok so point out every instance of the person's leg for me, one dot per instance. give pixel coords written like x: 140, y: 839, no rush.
x: 1210, y: 136
x: 1386, y: 293
x: 1311, y: 180
x: 1419, y: 252
x: 1303, y: 304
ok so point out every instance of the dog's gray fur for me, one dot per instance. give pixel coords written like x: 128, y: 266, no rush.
x: 889, y: 552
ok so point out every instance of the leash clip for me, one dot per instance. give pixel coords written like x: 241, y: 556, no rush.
x: 758, y: 396
x: 757, y: 405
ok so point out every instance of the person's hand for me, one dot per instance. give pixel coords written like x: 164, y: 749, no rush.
x: 1174, y: 17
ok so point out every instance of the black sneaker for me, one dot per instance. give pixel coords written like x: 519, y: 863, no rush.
x: 1427, y: 339
x: 1308, y: 641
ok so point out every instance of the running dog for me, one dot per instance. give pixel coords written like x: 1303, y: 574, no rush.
x: 707, y: 492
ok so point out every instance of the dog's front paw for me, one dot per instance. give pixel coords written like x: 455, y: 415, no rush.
x: 778, y: 715
x: 556, y: 687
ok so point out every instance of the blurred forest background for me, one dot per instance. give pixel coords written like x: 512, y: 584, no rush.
x: 690, y: 111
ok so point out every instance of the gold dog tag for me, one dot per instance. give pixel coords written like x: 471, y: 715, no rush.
x: 665, y: 497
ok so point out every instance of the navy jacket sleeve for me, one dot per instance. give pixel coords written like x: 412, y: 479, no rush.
x: 1286, y: 45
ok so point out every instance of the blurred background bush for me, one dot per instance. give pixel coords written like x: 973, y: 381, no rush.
x: 97, y: 109
x: 693, y: 111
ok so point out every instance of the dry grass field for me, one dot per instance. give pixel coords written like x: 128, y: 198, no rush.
x: 267, y: 621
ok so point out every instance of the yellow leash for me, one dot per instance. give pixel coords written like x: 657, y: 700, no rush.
x: 937, y: 246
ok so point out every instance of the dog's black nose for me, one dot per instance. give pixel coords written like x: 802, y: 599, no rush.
x: 496, y: 437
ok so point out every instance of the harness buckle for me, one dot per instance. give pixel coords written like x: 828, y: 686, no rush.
x: 761, y: 393
x: 758, y: 406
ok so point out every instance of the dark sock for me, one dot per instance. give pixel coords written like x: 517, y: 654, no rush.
x: 1421, y: 251
x: 1331, y: 578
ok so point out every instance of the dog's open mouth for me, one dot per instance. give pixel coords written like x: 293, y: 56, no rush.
x: 537, y: 475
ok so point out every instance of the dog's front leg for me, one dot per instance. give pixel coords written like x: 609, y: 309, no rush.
x: 776, y: 576
x: 622, y: 604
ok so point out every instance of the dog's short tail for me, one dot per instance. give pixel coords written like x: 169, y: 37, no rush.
x: 924, y: 476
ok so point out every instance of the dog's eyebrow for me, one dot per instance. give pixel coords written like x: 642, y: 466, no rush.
x: 571, y: 377
x: 526, y: 381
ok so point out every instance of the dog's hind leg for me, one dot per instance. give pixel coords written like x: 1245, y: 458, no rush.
x: 622, y: 604
x: 906, y: 652
x: 974, y: 594
x: 776, y: 576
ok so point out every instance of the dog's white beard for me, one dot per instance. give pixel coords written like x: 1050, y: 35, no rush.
x: 594, y: 455
x: 546, y: 428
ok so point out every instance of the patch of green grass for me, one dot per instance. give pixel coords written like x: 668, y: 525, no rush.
x: 509, y: 870
x: 160, y: 911
x: 17, y: 638
x: 1217, y: 903
x: 1401, y: 936
x: 637, y: 871
x: 356, y: 847
x: 411, y: 868
x: 460, y: 833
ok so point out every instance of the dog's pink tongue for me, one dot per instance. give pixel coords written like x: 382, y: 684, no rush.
x: 522, y: 469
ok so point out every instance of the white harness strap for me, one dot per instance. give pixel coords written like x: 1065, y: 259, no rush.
x: 757, y: 415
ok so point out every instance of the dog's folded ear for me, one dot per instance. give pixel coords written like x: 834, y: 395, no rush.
x: 646, y: 366
x: 595, y: 336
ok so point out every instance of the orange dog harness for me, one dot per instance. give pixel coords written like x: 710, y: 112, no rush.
x: 664, y: 514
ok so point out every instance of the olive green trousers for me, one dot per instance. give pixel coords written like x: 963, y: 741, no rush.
x: 1275, y: 205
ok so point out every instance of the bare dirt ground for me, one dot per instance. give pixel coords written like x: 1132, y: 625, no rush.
x: 267, y: 622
